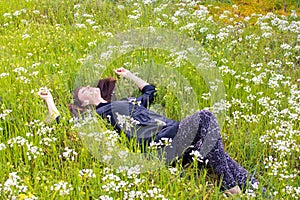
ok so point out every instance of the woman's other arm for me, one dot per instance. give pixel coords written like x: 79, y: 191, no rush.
x: 47, y: 96
x: 127, y: 74
x: 147, y: 89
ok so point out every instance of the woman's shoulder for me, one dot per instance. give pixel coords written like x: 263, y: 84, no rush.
x: 103, y: 107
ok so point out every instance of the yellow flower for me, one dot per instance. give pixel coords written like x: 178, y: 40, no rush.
x: 22, y: 196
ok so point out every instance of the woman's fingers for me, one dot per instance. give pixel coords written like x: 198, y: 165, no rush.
x: 43, y: 96
x: 44, y: 93
x: 121, y: 71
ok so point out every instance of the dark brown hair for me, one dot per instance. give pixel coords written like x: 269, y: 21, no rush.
x: 106, y: 86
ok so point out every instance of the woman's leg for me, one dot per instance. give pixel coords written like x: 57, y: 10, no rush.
x: 217, y: 160
x: 209, y: 144
x: 240, y: 174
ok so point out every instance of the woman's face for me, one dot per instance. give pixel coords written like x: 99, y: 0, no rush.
x: 89, y: 95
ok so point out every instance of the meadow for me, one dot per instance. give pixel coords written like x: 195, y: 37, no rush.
x: 254, y: 46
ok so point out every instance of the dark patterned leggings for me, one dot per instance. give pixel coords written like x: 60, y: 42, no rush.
x: 208, y: 143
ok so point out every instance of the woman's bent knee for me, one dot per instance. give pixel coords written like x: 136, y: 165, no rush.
x: 205, y: 113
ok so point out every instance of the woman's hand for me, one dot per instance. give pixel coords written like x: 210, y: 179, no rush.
x: 122, y: 72
x: 45, y: 94
x: 127, y: 74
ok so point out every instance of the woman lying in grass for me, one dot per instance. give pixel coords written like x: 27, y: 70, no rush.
x: 197, y: 135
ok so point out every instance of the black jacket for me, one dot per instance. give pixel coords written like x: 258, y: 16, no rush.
x: 133, y: 117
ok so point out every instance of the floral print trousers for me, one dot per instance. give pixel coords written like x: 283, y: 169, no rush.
x: 207, y: 147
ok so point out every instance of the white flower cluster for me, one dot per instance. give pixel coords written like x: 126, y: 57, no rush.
x: 281, y: 139
x: 21, y: 71
x: 87, y: 18
x: 13, y: 186
x: 19, y: 141
x: 2, y: 146
x: 32, y: 151
x: 292, y: 190
x: 127, y: 123
x: 109, y: 135
x: 47, y: 141
x: 173, y: 170
x: 4, y: 114
x: 163, y: 142
x: 134, y: 101
x: 62, y: 187
x: 154, y: 193
x: 9, y: 18
x: 177, y: 58
x: 196, y: 156
x: 131, y: 172
x: 105, y: 197
x: 4, y: 75
x: 87, y: 173
x: 69, y: 154
x: 88, y: 119
x: 201, y: 13
x: 125, y: 182
x: 45, y: 133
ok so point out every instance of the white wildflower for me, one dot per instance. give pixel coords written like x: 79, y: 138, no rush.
x: 4, y: 114
x: 62, y: 187
x: 4, y: 74
x: 17, y: 13
x: 202, y: 30
x: 80, y: 26
x: 286, y: 46
x: 36, y: 12
x: 7, y: 15
x: 210, y: 37
x: 90, y: 22
x: 87, y: 173
x: 69, y: 154
x: 76, y: 6
x: 19, y: 141
x: 25, y: 36
x: 173, y: 170
x: 106, y: 197
x: 2, y: 146
x: 196, y: 155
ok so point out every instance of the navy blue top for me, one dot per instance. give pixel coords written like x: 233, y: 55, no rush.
x: 132, y: 116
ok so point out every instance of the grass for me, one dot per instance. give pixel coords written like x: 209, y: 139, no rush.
x: 47, y: 43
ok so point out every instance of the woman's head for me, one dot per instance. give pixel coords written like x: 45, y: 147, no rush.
x: 85, y: 96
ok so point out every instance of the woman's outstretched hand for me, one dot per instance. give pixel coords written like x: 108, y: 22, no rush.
x: 122, y: 71
x: 127, y: 74
x: 45, y: 94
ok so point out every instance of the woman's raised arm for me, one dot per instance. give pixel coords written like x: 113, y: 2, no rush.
x: 47, y: 96
x: 127, y: 74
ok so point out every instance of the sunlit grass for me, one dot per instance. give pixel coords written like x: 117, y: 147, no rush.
x: 45, y: 43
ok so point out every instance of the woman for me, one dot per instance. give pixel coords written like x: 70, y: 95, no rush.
x: 197, y: 134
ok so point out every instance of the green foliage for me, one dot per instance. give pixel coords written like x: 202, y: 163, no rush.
x: 47, y: 43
